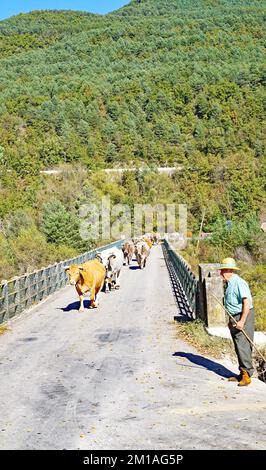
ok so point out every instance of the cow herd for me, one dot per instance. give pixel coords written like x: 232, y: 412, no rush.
x: 104, y: 271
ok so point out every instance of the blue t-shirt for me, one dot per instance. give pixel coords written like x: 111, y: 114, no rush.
x: 237, y: 290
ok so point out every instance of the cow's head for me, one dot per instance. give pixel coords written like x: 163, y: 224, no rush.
x: 109, y: 266
x: 125, y: 250
x: 74, y: 273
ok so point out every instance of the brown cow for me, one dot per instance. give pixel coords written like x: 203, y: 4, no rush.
x: 148, y: 241
x: 128, y: 250
x: 87, y: 277
x: 142, y: 252
x: 156, y: 238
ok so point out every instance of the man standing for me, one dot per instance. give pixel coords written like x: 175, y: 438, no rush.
x: 238, y: 302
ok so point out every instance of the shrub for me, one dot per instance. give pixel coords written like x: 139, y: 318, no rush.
x: 8, y: 262
x: 60, y: 226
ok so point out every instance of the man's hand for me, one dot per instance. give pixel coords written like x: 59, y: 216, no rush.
x: 240, y: 325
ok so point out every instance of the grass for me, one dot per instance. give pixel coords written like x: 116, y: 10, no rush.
x: 194, y: 333
x: 256, y: 277
x: 3, y: 329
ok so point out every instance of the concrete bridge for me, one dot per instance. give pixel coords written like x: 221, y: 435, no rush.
x: 118, y: 377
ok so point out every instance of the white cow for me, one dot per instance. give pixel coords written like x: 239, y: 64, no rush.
x: 142, y: 251
x: 112, y: 259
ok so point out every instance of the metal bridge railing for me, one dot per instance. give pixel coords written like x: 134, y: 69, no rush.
x: 185, y: 276
x: 20, y: 293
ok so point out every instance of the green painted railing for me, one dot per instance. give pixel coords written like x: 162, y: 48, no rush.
x: 20, y: 293
x: 185, y: 276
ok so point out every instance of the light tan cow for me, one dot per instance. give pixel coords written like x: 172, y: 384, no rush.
x: 142, y: 252
x: 87, y: 277
x: 128, y: 249
x: 148, y: 241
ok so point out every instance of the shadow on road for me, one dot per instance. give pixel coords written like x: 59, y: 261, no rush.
x: 75, y: 306
x: 134, y: 267
x: 213, y: 366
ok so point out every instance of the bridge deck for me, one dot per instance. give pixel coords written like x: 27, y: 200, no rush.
x: 109, y: 379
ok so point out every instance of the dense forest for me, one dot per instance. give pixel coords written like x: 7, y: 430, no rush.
x: 155, y: 83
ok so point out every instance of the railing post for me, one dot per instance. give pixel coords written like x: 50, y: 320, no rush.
x: 17, y: 299
x: 5, y: 301
x: 210, y: 283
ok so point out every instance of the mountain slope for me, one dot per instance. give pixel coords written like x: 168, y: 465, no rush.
x: 39, y: 29
x: 192, y: 8
x: 156, y: 81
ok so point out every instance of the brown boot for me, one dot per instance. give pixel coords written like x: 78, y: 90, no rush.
x: 245, y: 379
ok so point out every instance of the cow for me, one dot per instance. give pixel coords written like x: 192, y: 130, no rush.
x: 87, y: 277
x: 146, y: 238
x: 137, y: 239
x: 156, y: 238
x: 148, y: 241
x: 142, y: 252
x: 113, y: 260
x: 128, y: 251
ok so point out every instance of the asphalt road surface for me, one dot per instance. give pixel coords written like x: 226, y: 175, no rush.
x: 117, y: 377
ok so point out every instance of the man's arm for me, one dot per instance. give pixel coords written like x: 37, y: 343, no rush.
x: 245, y: 312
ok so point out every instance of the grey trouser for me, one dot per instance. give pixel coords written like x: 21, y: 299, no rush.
x: 243, y: 347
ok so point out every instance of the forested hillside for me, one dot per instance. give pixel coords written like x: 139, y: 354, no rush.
x: 158, y: 82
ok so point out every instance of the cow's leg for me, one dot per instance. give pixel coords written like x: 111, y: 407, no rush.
x: 110, y: 282
x: 107, y: 285
x: 92, y: 298
x: 81, y: 307
x: 144, y: 264
x: 117, y: 284
x: 97, y: 298
x: 97, y: 294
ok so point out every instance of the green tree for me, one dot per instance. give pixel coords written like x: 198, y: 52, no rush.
x: 60, y: 226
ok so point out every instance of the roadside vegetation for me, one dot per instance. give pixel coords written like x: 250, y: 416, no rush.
x: 247, y: 244
x: 3, y: 329
x: 156, y: 83
x: 194, y: 333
